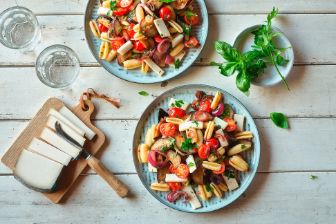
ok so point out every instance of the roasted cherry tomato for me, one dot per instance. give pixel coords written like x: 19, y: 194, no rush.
x: 168, y: 129
x: 125, y: 3
x: 191, y: 43
x: 116, y: 43
x: 175, y: 186
x: 191, y: 18
x: 102, y: 28
x: 203, y: 151
x: 130, y: 30
x: 231, y: 124
x: 121, y: 11
x: 213, y: 143
x: 205, y: 106
x: 139, y: 46
x: 222, y: 169
x: 158, y: 38
x: 182, y: 171
x: 167, y: 13
x: 176, y: 112
x: 172, y: 168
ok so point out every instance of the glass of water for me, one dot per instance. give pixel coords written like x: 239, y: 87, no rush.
x: 57, y: 66
x: 19, y: 28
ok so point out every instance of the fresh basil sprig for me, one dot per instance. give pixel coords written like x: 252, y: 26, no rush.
x: 279, y: 119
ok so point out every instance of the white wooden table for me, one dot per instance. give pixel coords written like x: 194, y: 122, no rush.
x: 282, y: 191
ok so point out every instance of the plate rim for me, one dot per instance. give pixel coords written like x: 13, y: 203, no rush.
x: 149, y: 109
x: 164, y: 78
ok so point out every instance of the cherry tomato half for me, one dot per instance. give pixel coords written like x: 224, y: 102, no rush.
x: 182, y: 171
x: 172, y: 168
x: 139, y: 46
x: 176, y: 112
x: 231, y: 124
x: 213, y: 143
x: 116, y: 43
x: 125, y: 3
x: 191, y: 18
x: 205, y: 106
x: 168, y: 129
x: 203, y: 151
x: 167, y: 13
x: 102, y: 28
x: 175, y: 186
x: 222, y: 169
x: 130, y: 30
x: 191, y: 43
x: 121, y: 11
x: 158, y: 38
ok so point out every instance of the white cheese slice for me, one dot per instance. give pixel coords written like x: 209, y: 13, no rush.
x: 65, y: 120
x: 231, y: 183
x: 221, y: 123
x: 191, y: 163
x: 161, y: 28
x: 152, y: 168
x: 36, y: 171
x: 154, y: 66
x: 68, y: 130
x: 78, y: 122
x: 219, y: 134
x: 173, y: 178
x: 239, y: 119
x: 44, y: 149
x: 193, y: 200
x: 191, y: 124
x: 126, y: 47
x: 60, y: 143
x: 178, y: 39
x: 181, y: 103
x: 102, y: 11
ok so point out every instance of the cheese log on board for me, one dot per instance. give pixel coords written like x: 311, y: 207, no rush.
x: 193, y: 200
x: 65, y: 120
x: 68, y: 130
x: 60, y: 143
x: 44, y: 149
x: 37, y: 172
x: 161, y: 28
x: 78, y: 122
x: 173, y: 178
x: 239, y: 119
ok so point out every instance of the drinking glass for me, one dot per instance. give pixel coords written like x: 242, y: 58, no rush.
x: 19, y: 28
x: 57, y: 66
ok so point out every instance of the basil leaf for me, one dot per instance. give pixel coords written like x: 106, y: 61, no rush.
x: 227, y: 51
x: 243, y: 82
x: 177, y: 63
x: 167, y: 1
x: 143, y: 93
x: 228, y: 69
x: 279, y: 119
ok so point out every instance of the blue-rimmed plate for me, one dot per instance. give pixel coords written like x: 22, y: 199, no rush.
x: 200, y: 32
x: 150, y: 117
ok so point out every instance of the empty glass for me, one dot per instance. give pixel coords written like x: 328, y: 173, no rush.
x: 57, y: 66
x: 19, y: 28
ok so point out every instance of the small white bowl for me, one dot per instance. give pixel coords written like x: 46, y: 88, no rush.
x: 270, y: 77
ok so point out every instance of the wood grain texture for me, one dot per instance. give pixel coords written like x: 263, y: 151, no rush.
x: 312, y: 42
x: 272, y: 198
x: 312, y: 86
x: 306, y: 146
x: 226, y: 6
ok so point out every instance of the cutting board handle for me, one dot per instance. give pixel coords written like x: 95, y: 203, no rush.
x: 112, y: 180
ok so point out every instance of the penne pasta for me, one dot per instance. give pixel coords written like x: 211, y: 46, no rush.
x: 176, y: 50
x: 106, y: 50
x: 101, y: 50
x: 139, y: 13
x: 94, y: 28
x: 111, y: 56
x: 132, y: 64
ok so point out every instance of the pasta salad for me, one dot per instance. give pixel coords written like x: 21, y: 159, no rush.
x: 145, y: 34
x: 196, y: 149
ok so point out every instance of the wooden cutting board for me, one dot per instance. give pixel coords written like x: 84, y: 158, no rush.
x: 71, y: 172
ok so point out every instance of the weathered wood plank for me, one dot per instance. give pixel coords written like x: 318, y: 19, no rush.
x: 214, y: 6
x: 309, y: 49
x: 311, y: 95
x: 306, y: 146
x: 272, y: 198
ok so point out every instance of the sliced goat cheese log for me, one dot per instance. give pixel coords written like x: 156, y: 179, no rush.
x: 231, y: 182
x: 221, y: 123
x: 68, y: 130
x: 126, y: 47
x: 191, y: 124
x: 152, y: 168
x: 65, y: 120
x: 173, y: 178
x: 191, y: 163
x: 161, y: 28
x: 239, y: 119
x: 178, y: 39
x: 178, y: 103
x: 44, y: 149
x: 78, y: 122
x: 36, y: 171
x: 193, y: 200
x: 154, y: 66
x: 102, y: 11
x: 60, y: 143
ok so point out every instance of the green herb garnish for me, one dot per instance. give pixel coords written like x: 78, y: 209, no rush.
x: 177, y: 103
x: 195, y: 122
x: 208, y: 188
x: 229, y: 174
x: 186, y: 28
x: 279, y: 119
x: 243, y: 146
x: 313, y: 177
x: 177, y: 64
x: 113, y: 5
x: 143, y: 93
x: 164, y: 148
x: 191, y: 164
x: 187, y: 145
x: 189, y: 14
x: 167, y: 1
